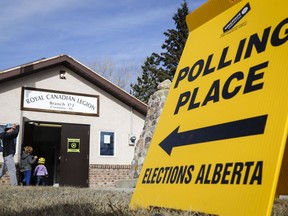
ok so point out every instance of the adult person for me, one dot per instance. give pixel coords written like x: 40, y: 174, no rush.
x: 8, y: 139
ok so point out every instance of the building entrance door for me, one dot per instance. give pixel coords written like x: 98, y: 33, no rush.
x: 45, y: 138
x: 74, y: 166
x: 65, y: 148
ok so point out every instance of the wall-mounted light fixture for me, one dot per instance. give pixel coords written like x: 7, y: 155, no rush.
x: 132, y: 139
x: 62, y: 74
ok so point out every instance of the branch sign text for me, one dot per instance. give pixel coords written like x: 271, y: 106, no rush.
x: 53, y: 101
x: 219, y: 143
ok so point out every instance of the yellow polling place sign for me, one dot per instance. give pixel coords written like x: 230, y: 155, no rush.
x: 219, y: 143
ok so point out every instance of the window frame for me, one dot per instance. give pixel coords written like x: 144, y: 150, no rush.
x: 112, y: 140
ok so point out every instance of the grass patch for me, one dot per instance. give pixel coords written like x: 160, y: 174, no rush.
x: 72, y: 201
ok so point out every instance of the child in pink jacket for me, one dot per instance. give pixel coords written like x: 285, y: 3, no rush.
x: 41, y: 172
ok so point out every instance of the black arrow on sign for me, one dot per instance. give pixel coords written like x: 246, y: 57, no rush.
x: 234, y: 129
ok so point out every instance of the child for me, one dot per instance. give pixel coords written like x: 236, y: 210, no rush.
x: 41, y: 172
x: 26, y: 164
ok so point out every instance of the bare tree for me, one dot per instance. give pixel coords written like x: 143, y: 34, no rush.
x: 121, y: 75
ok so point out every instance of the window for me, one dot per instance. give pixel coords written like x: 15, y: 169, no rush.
x: 1, y: 130
x: 107, y: 143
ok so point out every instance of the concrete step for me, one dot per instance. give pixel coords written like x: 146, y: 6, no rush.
x: 126, y: 183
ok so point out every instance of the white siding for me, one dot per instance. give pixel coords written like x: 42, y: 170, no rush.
x: 113, y: 114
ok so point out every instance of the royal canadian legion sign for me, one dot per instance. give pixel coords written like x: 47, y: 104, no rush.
x: 43, y: 100
x: 219, y: 144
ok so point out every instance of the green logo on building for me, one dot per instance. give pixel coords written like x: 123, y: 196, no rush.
x: 73, y: 145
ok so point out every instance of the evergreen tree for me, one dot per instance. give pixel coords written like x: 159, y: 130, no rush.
x: 175, y: 42
x: 159, y: 67
x: 151, y: 76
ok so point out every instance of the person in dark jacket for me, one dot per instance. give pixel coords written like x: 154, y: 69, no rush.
x: 27, y: 159
x: 8, y: 139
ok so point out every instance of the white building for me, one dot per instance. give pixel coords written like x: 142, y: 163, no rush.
x: 77, y: 120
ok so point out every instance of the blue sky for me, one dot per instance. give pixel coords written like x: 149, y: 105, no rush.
x: 87, y: 30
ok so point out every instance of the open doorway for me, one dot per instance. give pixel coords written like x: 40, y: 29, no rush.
x: 65, y: 148
x: 45, y: 138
